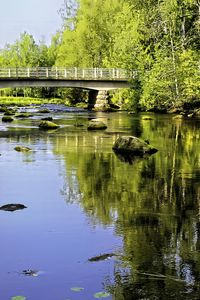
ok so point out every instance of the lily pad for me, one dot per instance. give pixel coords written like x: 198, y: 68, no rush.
x: 18, y: 298
x: 77, y: 289
x: 101, y: 295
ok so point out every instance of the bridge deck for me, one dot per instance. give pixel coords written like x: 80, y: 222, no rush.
x: 42, y: 73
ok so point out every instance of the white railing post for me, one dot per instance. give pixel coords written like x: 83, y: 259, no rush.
x: 9, y: 73
x: 83, y: 73
x: 113, y: 75
x: 101, y: 73
x: 95, y: 73
x: 65, y: 73
x: 75, y: 73
x: 56, y: 73
x: 47, y: 72
x: 28, y: 72
x: 118, y: 74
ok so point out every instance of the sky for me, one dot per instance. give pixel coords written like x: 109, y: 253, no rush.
x: 37, y: 17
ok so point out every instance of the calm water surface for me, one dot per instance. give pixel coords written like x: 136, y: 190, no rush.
x: 83, y: 201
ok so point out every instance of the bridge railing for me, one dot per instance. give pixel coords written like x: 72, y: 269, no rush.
x: 65, y: 73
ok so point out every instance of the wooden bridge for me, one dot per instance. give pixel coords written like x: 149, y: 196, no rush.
x: 88, y: 78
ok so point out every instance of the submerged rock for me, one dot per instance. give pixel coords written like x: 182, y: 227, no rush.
x: 48, y: 125
x: 22, y: 149
x: 30, y: 272
x: 101, y: 257
x: 24, y: 115
x: 78, y: 124
x: 96, y: 124
x: 47, y: 119
x: 9, y: 112
x: 44, y: 111
x: 12, y: 207
x: 132, y: 145
x: 7, y: 119
x: 3, y: 109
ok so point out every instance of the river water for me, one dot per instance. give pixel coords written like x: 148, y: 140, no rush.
x: 94, y: 222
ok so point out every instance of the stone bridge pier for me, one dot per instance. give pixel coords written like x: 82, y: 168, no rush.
x: 99, y: 100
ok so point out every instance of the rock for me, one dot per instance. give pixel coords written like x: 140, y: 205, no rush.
x: 190, y: 116
x: 131, y: 113
x: 7, y: 119
x: 78, y: 124
x: 12, y: 207
x: 30, y: 272
x: 96, y: 125
x: 24, y: 115
x: 47, y: 119
x: 3, y: 109
x: 133, y: 145
x: 9, y: 112
x: 178, y: 117
x: 101, y: 257
x: 22, y: 149
x: 48, y: 125
x: 44, y: 111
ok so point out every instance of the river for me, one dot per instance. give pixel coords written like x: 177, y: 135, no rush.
x: 97, y: 226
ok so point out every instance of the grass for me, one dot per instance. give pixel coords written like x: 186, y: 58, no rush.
x: 25, y: 101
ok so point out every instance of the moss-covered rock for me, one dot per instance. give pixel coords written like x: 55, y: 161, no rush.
x: 22, y: 149
x: 48, y: 125
x: 9, y: 112
x: 24, y: 115
x: 96, y: 125
x: 133, y: 145
x: 7, y: 119
x: 3, y: 109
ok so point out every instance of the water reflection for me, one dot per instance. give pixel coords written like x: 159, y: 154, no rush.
x: 153, y: 203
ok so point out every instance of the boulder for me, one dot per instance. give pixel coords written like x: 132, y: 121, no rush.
x: 132, y: 145
x: 48, y: 125
x: 96, y: 125
x: 22, y: 149
x: 7, y: 119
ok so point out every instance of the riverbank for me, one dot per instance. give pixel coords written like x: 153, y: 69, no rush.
x: 185, y: 110
x: 26, y: 101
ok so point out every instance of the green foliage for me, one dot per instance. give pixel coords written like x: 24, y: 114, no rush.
x: 157, y: 39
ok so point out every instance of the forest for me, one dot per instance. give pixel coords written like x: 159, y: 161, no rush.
x: 157, y: 39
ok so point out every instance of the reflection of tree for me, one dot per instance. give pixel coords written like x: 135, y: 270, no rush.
x: 154, y: 205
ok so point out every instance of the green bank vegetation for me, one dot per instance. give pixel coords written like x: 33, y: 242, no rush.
x: 160, y: 40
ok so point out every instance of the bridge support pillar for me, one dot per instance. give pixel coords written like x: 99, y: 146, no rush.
x: 102, y: 101
x: 92, y: 97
